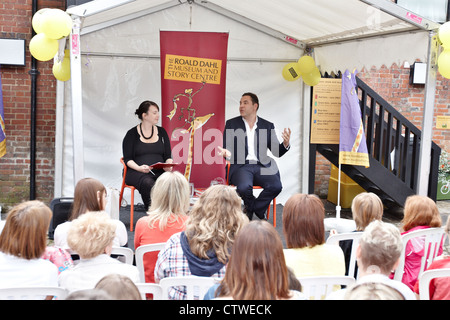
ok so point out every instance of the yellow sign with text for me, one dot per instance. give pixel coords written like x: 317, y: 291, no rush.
x: 192, y: 69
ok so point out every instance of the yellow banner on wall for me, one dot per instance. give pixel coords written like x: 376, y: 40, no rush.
x: 192, y: 69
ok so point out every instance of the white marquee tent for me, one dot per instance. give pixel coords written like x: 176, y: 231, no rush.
x: 118, y: 66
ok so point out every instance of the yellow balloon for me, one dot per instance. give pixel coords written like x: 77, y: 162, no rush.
x: 61, y: 69
x: 291, y: 71
x: 37, y: 19
x: 306, y: 64
x: 444, y: 63
x: 43, y: 48
x: 56, y: 24
x: 313, y: 78
x: 444, y: 34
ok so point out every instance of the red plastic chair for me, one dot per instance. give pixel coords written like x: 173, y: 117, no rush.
x: 124, y: 185
x: 274, y: 201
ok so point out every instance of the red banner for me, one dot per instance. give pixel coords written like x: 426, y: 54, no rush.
x: 193, y: 75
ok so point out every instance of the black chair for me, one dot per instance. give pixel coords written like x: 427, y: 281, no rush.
x: 61, y: 209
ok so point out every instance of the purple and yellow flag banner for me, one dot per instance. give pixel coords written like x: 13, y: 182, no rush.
x: 352, y: 140
x: 2, y: 123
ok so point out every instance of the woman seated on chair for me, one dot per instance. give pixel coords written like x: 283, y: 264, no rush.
x: 91, y: 236
x: 204, y: 247
x: 167, y: 215
x: 89, y: 195
x: 22, y: 243
x: 303, y: 228
x: 144, y: 145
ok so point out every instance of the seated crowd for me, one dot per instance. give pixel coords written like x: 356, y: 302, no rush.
x: 213, y: 239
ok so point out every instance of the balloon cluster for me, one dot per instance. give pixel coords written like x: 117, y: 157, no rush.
x: 306, y: 68
x: 50, y: 26
x: 444, y: 58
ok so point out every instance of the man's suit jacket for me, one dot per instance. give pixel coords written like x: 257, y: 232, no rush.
x: 235, y: 140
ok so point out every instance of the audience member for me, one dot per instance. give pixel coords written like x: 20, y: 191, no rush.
x: 89, y: 195
x: 439, y: 287
x: 366, y: 207
x: 89, y: 294
x: 167, y: 215
x: 91, y: 236
x: 377, y: 254
x: 420, y: 213
x: 304, y: 231
x: 203, y: 249
x: 257, y: 269
x: 373, y: 291
x: 22, y: 243
x: 119, y: 287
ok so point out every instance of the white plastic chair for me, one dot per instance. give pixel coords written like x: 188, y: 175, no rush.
x: 32, y: 293
x: 196, y: 287
x: 150, y: 288
x: 434, y: 237
x: 141, y: 251
x: 318, y: 287
x: 123, y: 251
x: 425, y: 279
x: 354, y: 236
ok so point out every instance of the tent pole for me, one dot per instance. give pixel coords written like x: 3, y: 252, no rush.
x: 338, y: 206
x: 428, y: 113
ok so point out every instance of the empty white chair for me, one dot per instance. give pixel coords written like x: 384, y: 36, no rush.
x: 141, y: 251
x: 318, y: 287
x: 150, y: 288
x: 196, y: 287
x: 425, y: 279
x: 32, y: 293
x: 433, y: 238
x: 354, y: 236
x: 123, y: 251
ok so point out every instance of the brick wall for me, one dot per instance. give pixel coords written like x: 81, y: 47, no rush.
x: 393, y: 85
x: 15, y: 23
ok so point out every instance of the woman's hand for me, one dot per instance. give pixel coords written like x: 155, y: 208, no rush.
x: 145, y: 168
x: 169, y: 168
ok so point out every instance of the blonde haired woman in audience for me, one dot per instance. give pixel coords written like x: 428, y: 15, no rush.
x: 304, y: 231
x: 89, y: 195
x: 119, y: 287
x: 167, y: 215
x: 91, y: 236
x: 203, y: 249
x: 257, y: 269
x: 22, y: 243
x: 420, y: 213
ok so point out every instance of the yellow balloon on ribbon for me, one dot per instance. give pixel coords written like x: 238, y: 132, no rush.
x: 56, y: 24
x: 37, y: 19
x: 444, y: 63
x: 291, y: 71
x: 444, y: 34
x: 61, y: 69
x: 43, y: 48
x: 312, y: 78
x: 306, y: 64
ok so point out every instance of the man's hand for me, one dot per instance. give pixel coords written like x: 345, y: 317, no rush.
x: 223, y: 152
x: 286, y: 137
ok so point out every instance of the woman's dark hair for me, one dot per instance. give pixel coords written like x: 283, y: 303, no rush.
x: 143, y: 108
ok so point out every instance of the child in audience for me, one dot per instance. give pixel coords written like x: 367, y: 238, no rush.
x: 91, y: 235
x: 257, y: 269
x: 439, y: 287
x: 203, y: 249
x: 366, y: 207
x: 22, y: 243
x: 420, y: 213
x: 89, y: 195
x: 167, y: 215
x: 303, y: 228
x: 378, y: 253
x: 119, y: 287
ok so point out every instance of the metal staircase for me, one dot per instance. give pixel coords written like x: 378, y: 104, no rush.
x: 393, y: 144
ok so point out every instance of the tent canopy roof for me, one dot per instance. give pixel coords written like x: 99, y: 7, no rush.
x: 303, y: 23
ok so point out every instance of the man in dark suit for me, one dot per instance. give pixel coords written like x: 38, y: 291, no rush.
x: 246, y: 140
